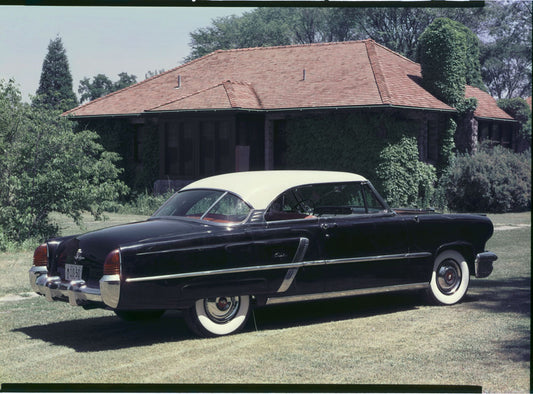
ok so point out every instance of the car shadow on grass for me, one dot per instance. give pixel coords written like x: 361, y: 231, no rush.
x: 323, y: 311
x: 110, y: 333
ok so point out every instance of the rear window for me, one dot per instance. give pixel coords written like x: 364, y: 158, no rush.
x: 210, y: 205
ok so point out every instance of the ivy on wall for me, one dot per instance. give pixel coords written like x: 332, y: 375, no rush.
x: 118, y: 135
x: 448, y: 53
x: 442, y: 57
x: 343, y: 142
x: 446, y: 146
x: 406, y: 181
x: 356, y: 142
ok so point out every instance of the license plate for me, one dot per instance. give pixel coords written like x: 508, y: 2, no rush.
x: 73, y: 272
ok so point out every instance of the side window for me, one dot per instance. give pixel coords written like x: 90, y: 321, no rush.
x: 288, y: 206
x: 339, y: 199
x: 373, y: 204
x: 325, y: 199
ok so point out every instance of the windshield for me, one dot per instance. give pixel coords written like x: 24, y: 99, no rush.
x: 212, y: 205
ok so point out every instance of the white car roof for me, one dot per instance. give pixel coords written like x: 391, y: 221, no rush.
x: 260, y: 188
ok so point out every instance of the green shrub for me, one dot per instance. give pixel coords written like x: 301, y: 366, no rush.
x: 142, y: 204
x: 519, y: 109
x: 492, y: 180
x: 405, y: 181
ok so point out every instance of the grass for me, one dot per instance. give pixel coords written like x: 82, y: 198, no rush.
x: 382, y: 339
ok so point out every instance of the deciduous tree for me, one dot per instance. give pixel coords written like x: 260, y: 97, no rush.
x: 101, y: 85
x: 502, y: 26
x: 506, y: 53
x: 45, y: 166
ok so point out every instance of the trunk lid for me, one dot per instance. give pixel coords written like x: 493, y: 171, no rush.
x: 91, y: 249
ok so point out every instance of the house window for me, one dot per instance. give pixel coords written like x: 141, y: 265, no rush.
x: 171, y: 149
x: 186, y: 150
x: 483, y: 131
x: 496, y: 133
x: 432, y: 141
x: 507, y: 136
x: 208, y: 151
x: 196, y: 148
x: 225, y: 161
x: 138, y: 144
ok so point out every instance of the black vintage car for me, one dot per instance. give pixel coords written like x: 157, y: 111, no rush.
x: 227, y: 243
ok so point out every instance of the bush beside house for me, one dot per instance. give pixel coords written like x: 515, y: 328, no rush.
x: 494, y: 179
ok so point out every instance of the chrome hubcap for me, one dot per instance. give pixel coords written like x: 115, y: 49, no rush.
x: 449, y: 276
x: 221, y: 309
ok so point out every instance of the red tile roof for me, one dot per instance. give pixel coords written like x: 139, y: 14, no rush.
x: 486, y: 105
x: 222, y: 96
x: 344, y: 74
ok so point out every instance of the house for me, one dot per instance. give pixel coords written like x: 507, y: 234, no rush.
x: 227, y: 111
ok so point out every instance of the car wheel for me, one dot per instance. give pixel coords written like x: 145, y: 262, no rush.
x: 450, y: 278
x: 139, y: 315
x: 216, y: 316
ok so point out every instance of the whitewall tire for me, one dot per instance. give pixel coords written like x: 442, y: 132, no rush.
x: 450, y: 278
x: 217, y: 316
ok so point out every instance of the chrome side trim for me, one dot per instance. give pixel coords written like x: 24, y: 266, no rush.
x: 291, y: 273
x: 347, y: 293
x: 237, y: 270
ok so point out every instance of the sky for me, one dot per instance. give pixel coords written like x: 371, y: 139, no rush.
x: 98, y: 40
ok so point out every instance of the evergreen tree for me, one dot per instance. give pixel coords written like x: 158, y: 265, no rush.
x: 55, y: 86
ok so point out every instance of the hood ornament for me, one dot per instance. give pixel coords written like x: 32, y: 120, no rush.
x: 78, y: 258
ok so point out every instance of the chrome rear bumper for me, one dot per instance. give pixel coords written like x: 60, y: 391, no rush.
x: 483, y: 264
x: 76, y: 292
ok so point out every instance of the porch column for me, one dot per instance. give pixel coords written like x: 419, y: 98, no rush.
x: 269, y: 143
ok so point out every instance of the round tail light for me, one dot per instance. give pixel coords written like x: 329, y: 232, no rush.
x: 40, y: 256
x: 112, y: 263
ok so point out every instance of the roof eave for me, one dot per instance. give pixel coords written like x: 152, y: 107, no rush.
x: 495, y: 119
x: 260, y: 110
x: 76, y: 117
x: 299, y: 109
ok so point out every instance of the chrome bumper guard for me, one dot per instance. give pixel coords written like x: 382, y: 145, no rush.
x: 483, y: 264
x: 76, y: 292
